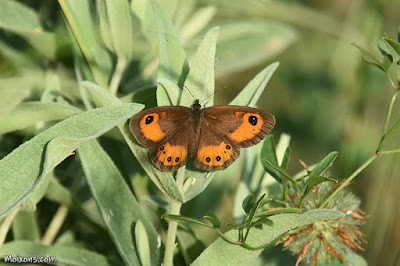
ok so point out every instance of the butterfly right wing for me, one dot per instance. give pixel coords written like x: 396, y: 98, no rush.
x: 166, y: 131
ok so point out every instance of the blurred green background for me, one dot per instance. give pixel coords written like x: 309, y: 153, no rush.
x: 322, y: 94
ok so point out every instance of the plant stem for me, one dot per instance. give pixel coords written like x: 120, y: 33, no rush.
x: 348, y: 180
x: 172, y: 224
x: 385, y: 128
x: 117, y: 76
x: 390, y: 152
x: 5, y: 226
x: 55, y: 225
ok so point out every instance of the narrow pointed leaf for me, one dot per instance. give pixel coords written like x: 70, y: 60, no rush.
x: 118, y: 206
x: 252, y: 92
x: 324, y: 164
x: 200, y: 80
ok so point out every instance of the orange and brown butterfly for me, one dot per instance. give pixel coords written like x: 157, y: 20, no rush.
x: 212, y: 136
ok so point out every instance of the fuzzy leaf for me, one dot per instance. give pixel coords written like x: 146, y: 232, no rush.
x: 29, y: 27
x: 252, y: 92
x: 110, y: 191
x: 222, y: 253
x: 79, y: 18
x: 200, y: 80
x: 173, y: 64
x: 198, y: 186
x: 29, y: 113
x: 45, y: 151
x: 142, y: 244
x: 62, y: 254
x: 323, y: 165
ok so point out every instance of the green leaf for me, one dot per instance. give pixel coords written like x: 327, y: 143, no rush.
x: 163, y: 180
x: 197, y: 186
x: 395, y: 46
x: 25, y: 226
x: 246, y: 44
x: 388, y: 51
x: 10, y: 98
x: 247, y: 203
x: 213, y: 219
x: 35, y: 158
x: 323, y: 165
x: 263, y: 220
x: 372, y: 59
x: 237, y: 255
x: 200, y: 80
x: 268, y: 153
x: 173, y: 64
x: 110, y: 191
x: 142, y: 244
x: 62, y: 254
x: 29, y: 113
x: 252, y: 92
x: 185, y: 219
x: 120, y: 27
x: 315, y: 180
x: 286, y: 157
x: 168, y: 91
x: 197, y: 22
x: 78, y: 16
x: 189, y: 244
x: 29, y: 27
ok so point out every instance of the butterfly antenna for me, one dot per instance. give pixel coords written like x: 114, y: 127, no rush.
x: 210, y: 95
x: 187, y: 90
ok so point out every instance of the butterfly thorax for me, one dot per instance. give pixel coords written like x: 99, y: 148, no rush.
x: 196, y: 109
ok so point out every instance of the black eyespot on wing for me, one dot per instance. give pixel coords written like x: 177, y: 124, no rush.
x: 169, y: 159
x: 149, y: 119
x: 177, y: 159
x: 228, y: 147
x: 162, y: 148
x: 218, y: 158
x: 253, y: 120
x: 208, y: 159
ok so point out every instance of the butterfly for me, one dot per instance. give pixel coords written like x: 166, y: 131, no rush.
x: 212, y: 136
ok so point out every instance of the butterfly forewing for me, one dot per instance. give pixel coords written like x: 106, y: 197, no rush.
x: 244, y: 126
x: 167, y: 131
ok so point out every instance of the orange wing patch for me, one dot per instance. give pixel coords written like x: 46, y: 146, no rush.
x: 150, y: 128
x: 171, y: 155
x: 251, y: 126
x: 215, y: 155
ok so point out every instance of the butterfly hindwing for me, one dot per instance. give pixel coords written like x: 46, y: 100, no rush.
x: 214, y: 151
x: 167, y: 131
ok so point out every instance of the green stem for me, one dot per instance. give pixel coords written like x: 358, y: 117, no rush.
x: 5, y: 226
x: 117, y: 76
x: 55, y: 225
x: 390, y: 152
x: 387, y: 121
x: 173, y: 224
x: 387, y: 136
x: 348, y: 180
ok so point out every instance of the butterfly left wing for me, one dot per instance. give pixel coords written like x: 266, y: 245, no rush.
x: 224, y: 130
